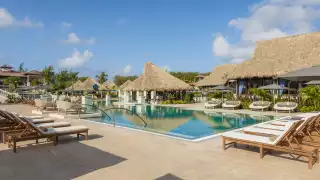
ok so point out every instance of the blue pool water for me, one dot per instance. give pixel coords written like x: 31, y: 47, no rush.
x: 177, y: 122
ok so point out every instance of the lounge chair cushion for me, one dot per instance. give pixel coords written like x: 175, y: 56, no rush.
x: 33, y: 117
x: 66, y: 130
x: 249, y: 137
x: 261, y: 103
x: 55, y: 124
x: 286, y: 104
x: 232, y: 103
x: 44, y: 120
x: 264, y: 131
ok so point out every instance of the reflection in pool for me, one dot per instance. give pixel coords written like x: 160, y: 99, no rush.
x: 188, y: 124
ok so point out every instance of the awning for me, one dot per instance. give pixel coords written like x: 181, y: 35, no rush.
x: 306, y: 74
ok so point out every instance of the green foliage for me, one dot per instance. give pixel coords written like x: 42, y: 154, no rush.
x: 174, y: 102
x: 102, y: 77
x: 83, y: 78
x: 218, y: 95
x: 64, y: 79
x: 13, y: 83
x: 197, y: 94
x: 11, y: 98
x: 310, y: 99
x: 188, y: 77
x: 21, y: 69
x: 263, y: 94
x: 245, y: 102
x: 48, y: 74
x: 119, y: 80
x: 35, y: 82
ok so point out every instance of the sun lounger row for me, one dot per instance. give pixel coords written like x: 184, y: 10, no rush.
x: 297, y: 135
x: 257, y: 105
x: 17, y: 128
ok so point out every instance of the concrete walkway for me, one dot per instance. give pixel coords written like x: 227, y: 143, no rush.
x: 122, y: 154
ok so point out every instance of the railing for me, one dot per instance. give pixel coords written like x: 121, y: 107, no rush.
x: 6, y: 93
x: 144, y: 122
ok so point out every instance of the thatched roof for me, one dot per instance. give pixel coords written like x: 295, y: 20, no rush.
x: 87, y: 85
x: 155, y: 78
x: 76, y: 84
x: 218, y: 75
x: 109, y: 84
x: 125, y: 84
x: 281, y: 55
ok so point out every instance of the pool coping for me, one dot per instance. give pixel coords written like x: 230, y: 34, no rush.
x: 180, y: 138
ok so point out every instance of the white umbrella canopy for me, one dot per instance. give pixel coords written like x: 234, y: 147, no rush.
x: 273, y: 87
x: 314, y: 82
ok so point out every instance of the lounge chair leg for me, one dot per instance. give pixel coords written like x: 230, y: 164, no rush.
x: 223, y: 144
x: 14, y: 144
x: 3, y: 138
x: 78, y: 136
x: 37, y: 142
x: 55, y: 139
x: 310, y: 162
x: 261, y: 151
x: 86, y: 135
x: 317, y: 155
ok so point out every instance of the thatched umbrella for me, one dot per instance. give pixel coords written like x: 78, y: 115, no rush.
x: 74, y: 85
x: 125, y: 84
x: 109, y: 85
x: 88, y: 85
x: 156, y: 79
x: 218, y: 76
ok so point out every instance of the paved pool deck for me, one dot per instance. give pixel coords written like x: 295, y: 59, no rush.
x: 123, y: 154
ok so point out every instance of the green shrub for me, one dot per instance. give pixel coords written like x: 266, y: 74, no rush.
x: 245, y: 102
x: 307, y: 109
x: 11, y: 98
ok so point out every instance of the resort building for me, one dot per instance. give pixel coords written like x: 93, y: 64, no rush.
x: 109, y: 85
x: 121, y: 91
x: 153, y: 86
x: 217, y: 77
x: 26, y: 77
x: 271, y: 59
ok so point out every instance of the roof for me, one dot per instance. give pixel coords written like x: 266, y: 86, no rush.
x: 305, y: 74
x: 6, y: 66
x: 125, y: 84
x: 155, y: 78
x: 218, y: 76
x: 109, y: 84
x: 281, y: 55
x: 74, y: 85
x: 12, y: 73
x: 314, y: 82
x: 88, y: 85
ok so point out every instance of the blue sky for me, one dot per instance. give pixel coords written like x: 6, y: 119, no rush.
x: 120, y: 36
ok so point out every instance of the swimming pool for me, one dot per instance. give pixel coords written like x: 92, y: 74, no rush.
x: 182, y: 123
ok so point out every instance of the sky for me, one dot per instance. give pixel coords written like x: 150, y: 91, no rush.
x: 119, y: 36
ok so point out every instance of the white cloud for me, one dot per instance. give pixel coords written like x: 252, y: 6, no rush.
x: 8, y: 20
x: 77, y: 59
x: 74, y: 39
x: 66, y: 24
x: 127, y: 69
x: 269, y: 19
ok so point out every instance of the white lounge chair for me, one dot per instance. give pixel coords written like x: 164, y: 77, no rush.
x: 285, y: 106
x: 231, y: 104
x: 259, y: 105
x: 212, y: 104
x: 280, y: 142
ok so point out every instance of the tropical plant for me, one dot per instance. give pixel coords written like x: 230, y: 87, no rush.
x: 12, y: 82
x: 263, y: 94
x: 310, y: 98
x: 21, y: 69
x: 11, y: 98
x: 102, y: 77
x: 48, y: 75
x: 119, y: 80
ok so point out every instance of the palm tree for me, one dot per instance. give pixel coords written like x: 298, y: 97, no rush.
x: 48, y: 74
x: 21, y: 69
x: 102, y: 77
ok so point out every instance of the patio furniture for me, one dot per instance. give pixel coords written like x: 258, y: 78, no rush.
x: 69, y: 107
x: 212, y: 104
x: 285, y: 106
x: 280, y: 142
x: 34, y: 132
x: 231, y: 104
x: 259, y: 105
